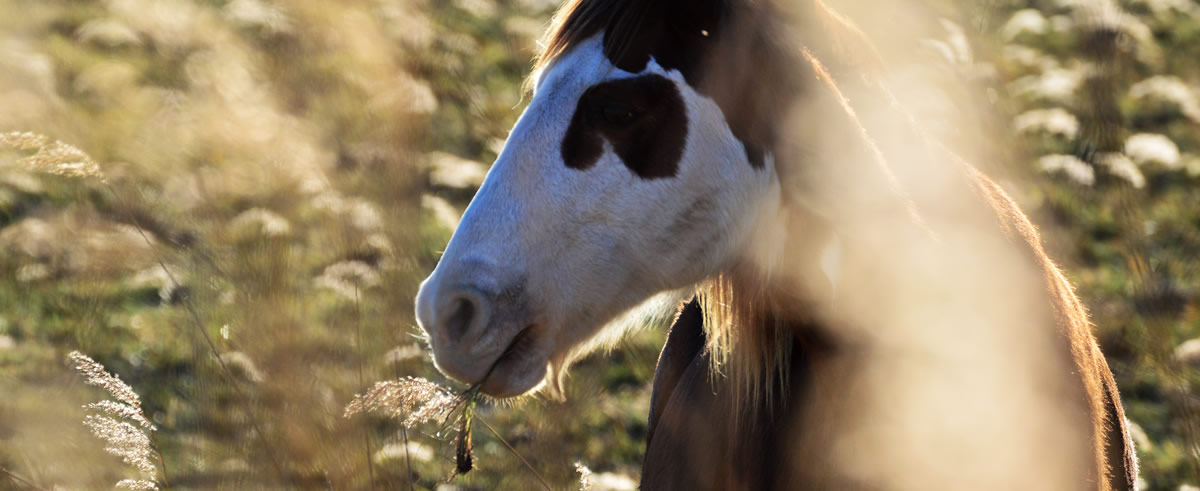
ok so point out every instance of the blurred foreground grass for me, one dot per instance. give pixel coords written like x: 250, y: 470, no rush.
x: 279, y: 176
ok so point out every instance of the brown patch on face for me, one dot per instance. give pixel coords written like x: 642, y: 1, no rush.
x: 721, y: 47
x: 693, y: 37
x: 642, y: 118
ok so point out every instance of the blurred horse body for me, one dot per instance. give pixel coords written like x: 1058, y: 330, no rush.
x: 873, y: 313
x: 695, y: 440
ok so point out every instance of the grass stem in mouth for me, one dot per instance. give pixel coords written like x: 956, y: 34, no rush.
x: 436, y: 403
x: 463, y: 459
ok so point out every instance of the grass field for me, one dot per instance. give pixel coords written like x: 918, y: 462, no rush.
x: 272, y: 180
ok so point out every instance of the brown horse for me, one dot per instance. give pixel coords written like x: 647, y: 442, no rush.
x: 870, y: 312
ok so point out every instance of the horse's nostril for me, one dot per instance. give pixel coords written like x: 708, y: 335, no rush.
x: 463, y: 312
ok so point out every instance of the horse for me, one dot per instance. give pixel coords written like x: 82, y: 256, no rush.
x: 858, y: 307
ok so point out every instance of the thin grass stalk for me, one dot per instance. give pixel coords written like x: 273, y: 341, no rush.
x: 20, y: 480
x: 404, y: 437
x: 362, y: 385
x: 198, y: 326
x: 407, y: 459
x: 162, y: 461
x: 515, y: 452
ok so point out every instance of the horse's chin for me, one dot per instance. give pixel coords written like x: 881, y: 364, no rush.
x: 522, y: 369
x: 514, y: 381
x: 514, y: 384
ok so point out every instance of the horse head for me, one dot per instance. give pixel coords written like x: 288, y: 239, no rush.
x: 640, y: 166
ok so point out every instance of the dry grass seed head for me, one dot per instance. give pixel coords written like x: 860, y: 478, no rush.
x: 94, y: 374
x: 416, y: 399
x: 51, y: 156
x: 585, y: 476
x: 124, y: 440
x: 137, y: 485
x: 117, y: 409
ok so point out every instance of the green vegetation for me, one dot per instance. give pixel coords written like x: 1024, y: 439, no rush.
x: 277, y: 177
x: 1110, y: 118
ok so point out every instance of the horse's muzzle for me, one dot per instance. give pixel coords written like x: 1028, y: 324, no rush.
x: 480, y: 332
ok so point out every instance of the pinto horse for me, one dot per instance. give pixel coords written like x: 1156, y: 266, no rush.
x: 866, y: 310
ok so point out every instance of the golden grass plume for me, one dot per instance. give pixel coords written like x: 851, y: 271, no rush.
x: 415, y: 399
x: 131, y: 442
x: 50, y: 155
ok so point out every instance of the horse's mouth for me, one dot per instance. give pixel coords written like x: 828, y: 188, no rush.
x: 519, y: 369
x: 519, y: 346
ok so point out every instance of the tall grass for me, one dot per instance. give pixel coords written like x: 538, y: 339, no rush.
x: 227, y: 205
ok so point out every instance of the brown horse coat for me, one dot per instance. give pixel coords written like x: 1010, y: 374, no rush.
x: 691, y: 446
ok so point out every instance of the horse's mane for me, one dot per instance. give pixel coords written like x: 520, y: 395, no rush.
x: 747, y: 341
x: 578, y: 20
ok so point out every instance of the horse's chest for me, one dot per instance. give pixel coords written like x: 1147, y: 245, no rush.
x: 697, y: 441
x: 858, y: 419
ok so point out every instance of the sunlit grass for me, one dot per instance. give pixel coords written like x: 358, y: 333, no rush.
x: 228, y: 205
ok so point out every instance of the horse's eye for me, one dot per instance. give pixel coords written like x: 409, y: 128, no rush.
x: 618, y: 113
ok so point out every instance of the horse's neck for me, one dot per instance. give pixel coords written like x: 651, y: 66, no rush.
x: 949, y: 340
x: 699, y: 437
